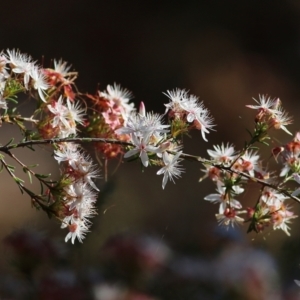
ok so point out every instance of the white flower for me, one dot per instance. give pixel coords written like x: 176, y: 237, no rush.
x: 265, y: 104
x: 171, y: 169
x: 21, y: 63
x: 61, y: 67
x: 120, y: 98
x: 192, y: 107
x: 134, y: 125
x: 290, y: 160
x: 68, y: 153
x: 75, y: 112
x: 280, y: 219
x: 230, y: 217
x: 65, y: 117
x: 79, y: 194
x: 225, y: 198
x: 248, y: 162
x: 271, y: 112
x: 39, y: 82
x: 176, y: 96
x: 153, y: 124
x: 222, y: 154
x: 203, y: 122
x: 280, y: 119
x: 61, y: 113
x: 77, y: 229
x: 142, y: 147
x: 188, y: 108
x: 272, y: 198
x: 86, y: 171
x: 143, y: 123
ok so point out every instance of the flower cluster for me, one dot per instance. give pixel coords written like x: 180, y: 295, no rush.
x: 229, y: 184
x: 230, y: 170
x: 75, y: 204
x: 58, y: 115
x: 158, y: 144
x: 227, y: 172
x: 271, y: 114
x: 110, y: 111
x: 289, y: 156
x: 186, y: 108
x: 109, y: 119
x: 271, y: 210
x: 19, y: 72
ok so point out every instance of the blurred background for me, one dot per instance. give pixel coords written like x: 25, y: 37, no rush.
x: 147, y: 243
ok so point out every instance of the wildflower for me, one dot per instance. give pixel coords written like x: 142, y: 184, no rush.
x: 21, y: 63
x: 69, y: 153
x: 77, y: 229
x: 222, y: 154
x: 229, y: 217
x: 248, y: 162
x: 153, y: 124
x: 61, y: 67
x: 272, y: 198
x: 75, y: 113
x: 192, y: 108
x: 272, y: 210
x: 187, y: 108
x: 280, y: 120
x: 60, y: 112
x: 142, y: 147
x: 144, y: 123
x: 119, y: 99
x: 39, y: 82
x: 177, y: 97
x: 291, y: 163
x: 270, y: 112
x: 134, y: 125
x: 225, y: 198
x: 280, y: 219
x: 203, y: 122
x: 265, y: 105
x: 84, y: 170
x: 171, y: 167
x: 78, y: 195
x: 211, y: 172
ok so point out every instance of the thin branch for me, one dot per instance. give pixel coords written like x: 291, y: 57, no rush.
x: 61, y: 140
x: 242, y: 174
x: 47, y: 184
x: 6, y: 149
x: 33, y: 196
x: 8, y: 119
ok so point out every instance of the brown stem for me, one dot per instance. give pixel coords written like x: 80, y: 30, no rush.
x: 7, y: 149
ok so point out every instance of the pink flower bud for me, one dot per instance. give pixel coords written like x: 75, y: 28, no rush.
x: 142, y: 109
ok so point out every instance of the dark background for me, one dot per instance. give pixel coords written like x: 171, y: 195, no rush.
x: 225, y: 52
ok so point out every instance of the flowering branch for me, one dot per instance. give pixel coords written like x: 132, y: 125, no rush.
x: 66, y: 119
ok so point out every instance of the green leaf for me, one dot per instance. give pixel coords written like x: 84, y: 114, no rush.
x: 25, y: 170
x: 42, y: 176
x: 18, y: 180
x: 9, y: 143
